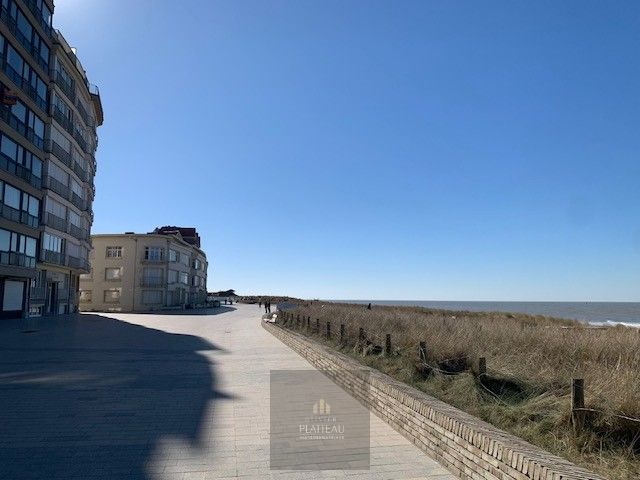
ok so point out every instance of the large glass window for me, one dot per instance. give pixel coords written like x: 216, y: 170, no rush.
x: 152, y: 296
x: 52, y: 243
x: 152, y: 276
x: 172, y: 276
x: 173, y: 255
x: 183, y: 277
x: 56, y: 208
x: 154, y: 254
x: 11, y: 196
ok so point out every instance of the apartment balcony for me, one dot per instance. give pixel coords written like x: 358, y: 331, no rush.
x: 81, y: 172
x: 24, y: 41
x: 81, y: 141
x: 79, y: 202
x: 64, y: 121
x: 18, y: 216
x: 57, y: 186
x: 17, y: 260
x: 60, y: 153
x: 49, y: 256
x: 152, y: 282
x: 8, y: 165
x: 24, y: 85
x: 54, y: 221
x: 78, y: 232
x: 21, y: 127
x: 78, y: 263
x: 68, y: 88
x: 33, y: 7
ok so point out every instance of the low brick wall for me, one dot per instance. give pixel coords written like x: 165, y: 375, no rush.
x: 467, y: 446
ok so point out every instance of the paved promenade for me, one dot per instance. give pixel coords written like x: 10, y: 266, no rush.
x: 120, y: 396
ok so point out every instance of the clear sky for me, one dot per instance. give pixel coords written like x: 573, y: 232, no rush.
x: 435, y: 150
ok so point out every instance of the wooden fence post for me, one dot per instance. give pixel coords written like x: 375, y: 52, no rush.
x: 341, y: 332
x: 422, y: 351
x: 361, y: 334
x: 298, y: 321
x: 308, y: 323
x: 482, y: 366
x: 318, y: 326
x: 577, y: 403
x: 328, y: 329
x: 387, y: 344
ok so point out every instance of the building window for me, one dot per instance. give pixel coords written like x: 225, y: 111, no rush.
x: 183, y: 277
x: 113, y: 273
x: 114, y: 252
x: 172, y: 276
x: 112, y: 295
x: 151, y: 297
x: 85, y: 296
x: 153, y: 254
x: 197, y: 264
x: 184, y: 259
x: 152, y: 277
x: 173, y: 255
x: 196, y: 281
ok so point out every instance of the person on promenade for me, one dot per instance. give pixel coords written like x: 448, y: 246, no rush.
x: 259, y: 303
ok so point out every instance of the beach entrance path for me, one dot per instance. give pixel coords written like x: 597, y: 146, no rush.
x: 157, y: 396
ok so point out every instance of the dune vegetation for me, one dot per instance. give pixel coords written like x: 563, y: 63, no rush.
x: 530, y: 364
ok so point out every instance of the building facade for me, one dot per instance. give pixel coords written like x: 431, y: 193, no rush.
x: 135, y: 272
x: 49, y: 113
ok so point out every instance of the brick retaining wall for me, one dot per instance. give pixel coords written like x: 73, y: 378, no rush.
x: 469, y: 447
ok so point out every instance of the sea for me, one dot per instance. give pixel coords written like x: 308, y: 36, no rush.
x: 597, y: 313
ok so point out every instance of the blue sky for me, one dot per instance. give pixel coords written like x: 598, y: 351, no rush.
x: 449, y: 150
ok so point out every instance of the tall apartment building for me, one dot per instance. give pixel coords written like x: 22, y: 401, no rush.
x: 145, y: 271
x: 48, y: 117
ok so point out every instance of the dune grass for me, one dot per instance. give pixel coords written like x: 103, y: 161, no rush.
x: 531, y: 361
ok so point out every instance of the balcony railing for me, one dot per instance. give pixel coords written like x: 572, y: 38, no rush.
x: 32, y: 5
x: 24, y: 85
x: 54, y: 221
x: 18, y: 216
x: 62, y: 119
x: 79, y: 263
x: 57, y: 186
x: 21, y: 127
x: 78, y: 232
x: 52, y: 257
x: 8, y: 165
x: 151, y: 282
x: 68, y: 88
x: 17, y: 259
x: 81, y: 141
x: 81, y: 172
x: 26, y: 42
x: 60, y: 153
x: 78, y: 201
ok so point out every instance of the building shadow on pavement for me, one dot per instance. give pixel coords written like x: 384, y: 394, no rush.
x: 90, y: 397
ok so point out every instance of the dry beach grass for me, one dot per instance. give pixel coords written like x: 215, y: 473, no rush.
x: 531, y: 361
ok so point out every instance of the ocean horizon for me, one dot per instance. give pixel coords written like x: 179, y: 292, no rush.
x: 597, y: 313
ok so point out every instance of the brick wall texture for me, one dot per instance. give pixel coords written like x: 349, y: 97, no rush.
x: 469, y: 447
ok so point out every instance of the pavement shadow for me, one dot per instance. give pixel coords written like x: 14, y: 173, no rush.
x: 89, y: 397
